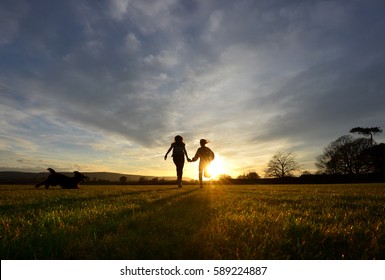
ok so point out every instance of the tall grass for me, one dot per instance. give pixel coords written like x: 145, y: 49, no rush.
x: 216, y: 222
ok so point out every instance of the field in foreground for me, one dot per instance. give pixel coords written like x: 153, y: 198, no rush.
x: 216, y: 222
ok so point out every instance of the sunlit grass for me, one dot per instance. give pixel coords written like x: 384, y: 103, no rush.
x: 216, y: 222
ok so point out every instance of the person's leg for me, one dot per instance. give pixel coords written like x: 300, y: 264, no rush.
x: 206, y: 172
x: 201, y: 175
x: 179, y: 163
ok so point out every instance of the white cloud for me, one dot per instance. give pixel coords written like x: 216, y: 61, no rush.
x: 119, y: 8
x: 166, y: 59
x: 216, y: 21
x: 132, y: 42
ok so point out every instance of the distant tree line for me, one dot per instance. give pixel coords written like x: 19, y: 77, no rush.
x: 345, y: 159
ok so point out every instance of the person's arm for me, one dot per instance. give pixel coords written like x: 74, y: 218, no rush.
x: 169, y: 150
x: 185, y: 152
x: 195, y: 158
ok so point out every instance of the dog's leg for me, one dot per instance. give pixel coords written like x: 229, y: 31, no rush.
x: 41, y: 183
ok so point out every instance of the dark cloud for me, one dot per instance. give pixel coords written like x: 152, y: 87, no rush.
x: 272, y: 74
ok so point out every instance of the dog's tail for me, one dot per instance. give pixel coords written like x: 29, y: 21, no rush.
x: 51, y: 170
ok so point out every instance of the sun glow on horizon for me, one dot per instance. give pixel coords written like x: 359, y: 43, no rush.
x: 216, y: 167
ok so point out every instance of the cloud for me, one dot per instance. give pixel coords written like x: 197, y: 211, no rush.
x: 132, y: 42
x: 253, y: 76
x: 11, y: 14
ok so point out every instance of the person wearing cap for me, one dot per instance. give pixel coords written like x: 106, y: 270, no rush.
x: 178, y: 152
x: 206, y: 156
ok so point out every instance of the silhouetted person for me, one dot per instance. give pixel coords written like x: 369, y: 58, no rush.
x: 178, y: 152
x: 206, y: 156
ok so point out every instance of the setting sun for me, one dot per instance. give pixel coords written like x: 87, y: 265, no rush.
x: 216, y: 167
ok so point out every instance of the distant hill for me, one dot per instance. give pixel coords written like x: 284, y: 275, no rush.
x: 115, y: 177
x: 16, y: 177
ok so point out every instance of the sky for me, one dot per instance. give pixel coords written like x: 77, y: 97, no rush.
x: 106, y: 85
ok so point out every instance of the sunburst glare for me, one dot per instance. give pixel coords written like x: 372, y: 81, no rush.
x: 216, y: 167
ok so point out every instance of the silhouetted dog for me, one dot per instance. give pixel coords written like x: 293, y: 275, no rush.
x: 64, y: 181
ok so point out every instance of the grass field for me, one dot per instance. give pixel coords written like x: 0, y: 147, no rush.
x: 216, y: 222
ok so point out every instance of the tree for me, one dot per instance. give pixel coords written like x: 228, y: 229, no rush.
x: 367, y: 131
x: 123, y: 179
x: 143, y: 179
x: 282, y: 165
x: 375, y: 156
x: 344, y: 156
x: 330, y: 161
x: 360, y: 163
x: 253, y: 175
x: 224, y: 178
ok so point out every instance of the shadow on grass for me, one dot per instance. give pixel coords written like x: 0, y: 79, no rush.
x: 158, y: 228
x: 72, y: 199
x: 190, y: 223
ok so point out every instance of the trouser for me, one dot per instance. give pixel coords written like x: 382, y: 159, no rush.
x: 179, y: 163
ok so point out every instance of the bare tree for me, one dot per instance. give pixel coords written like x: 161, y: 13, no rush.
x: 282, y: 165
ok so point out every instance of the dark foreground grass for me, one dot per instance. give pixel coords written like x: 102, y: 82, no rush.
x: 216, y: 222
